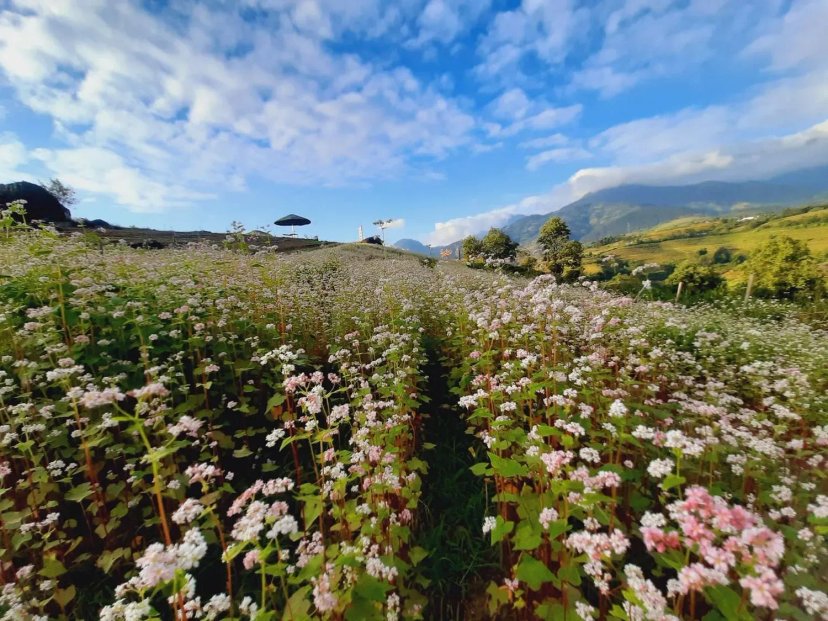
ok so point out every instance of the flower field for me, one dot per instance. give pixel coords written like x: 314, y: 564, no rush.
x: 204, y: 434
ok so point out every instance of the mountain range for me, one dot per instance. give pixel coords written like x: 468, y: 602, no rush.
x: 627, y: 208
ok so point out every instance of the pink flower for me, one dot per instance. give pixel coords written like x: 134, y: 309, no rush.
x: 547, y: 516
x: 660, y: 540
x: 251, y: 559
x: 764, y: 588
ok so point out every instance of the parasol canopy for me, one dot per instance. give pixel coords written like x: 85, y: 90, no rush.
x: 292, y: 220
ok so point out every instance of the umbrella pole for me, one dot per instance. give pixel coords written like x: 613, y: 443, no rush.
x: 292, y: 231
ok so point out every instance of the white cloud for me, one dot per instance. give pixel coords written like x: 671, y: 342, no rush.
x: 754, y: 160
x: 553, y: 140
x: 511, y: 105
x: 200, y: 102
x: 441, y: 21
x: 547, y: 29
x: 561, y: 154
x: 611, y: 46
x: 396, y: 223
x: 795, y: 41
x: 458, y: 228
x: 96, y: 170
x: 13, y: 156
x: 739, y: 162
x: 543, y: 119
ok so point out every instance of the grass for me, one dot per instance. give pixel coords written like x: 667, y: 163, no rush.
x: 677, y: 240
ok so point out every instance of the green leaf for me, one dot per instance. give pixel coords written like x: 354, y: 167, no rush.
x: 108, y: 558
x: 727, y: 601
x: 362, y: 609
x: 479, y: 469
x: 298, y: 606
x: 556, y: 528
x: 671, y: 481
x: 570, y: 574
x: 277, y: 399
x: 64, y: 596
x: 533, y: 572
x: 417, y: 554
x: 52, y: 568
x: 507, y: 467
x: 371, y: 588
x: 527, y: 538
x: 313, y: 508
x: 501, y: 529
x: 551, y: 612
x: 76, y: 494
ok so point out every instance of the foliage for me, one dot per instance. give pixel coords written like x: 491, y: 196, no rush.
x: 784, y: 268
x: 497, y: 245
x: 198, y: 433
x: 562, y: 255
x: 66, y: 195
x: 471, y: 248
x: 722, y: 255
x: 612, y: 265
x: 695, y: 277
x: 681, y: 239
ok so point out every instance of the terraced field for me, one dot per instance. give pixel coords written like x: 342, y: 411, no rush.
x: 681, y: 239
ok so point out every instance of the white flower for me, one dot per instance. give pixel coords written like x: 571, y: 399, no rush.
x: 547, y: 516
x: 189, y: 510
x: 618, y: 409
x: 660, y: 468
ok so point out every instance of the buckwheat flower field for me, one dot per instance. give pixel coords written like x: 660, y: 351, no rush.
x: 197, y: 433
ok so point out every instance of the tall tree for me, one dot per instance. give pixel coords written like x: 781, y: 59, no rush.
x: 472, y: 247
x: 65, y: 195
x: 562, y: 255
x: 784, y: 267
x: 498, y: 245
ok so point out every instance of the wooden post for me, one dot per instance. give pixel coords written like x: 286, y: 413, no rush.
x: 679, y: 290
x: 749, y: 287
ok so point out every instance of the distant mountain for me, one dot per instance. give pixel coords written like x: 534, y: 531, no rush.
x: 412, y: 245
x: 40, y: 203
x: 626, y: 208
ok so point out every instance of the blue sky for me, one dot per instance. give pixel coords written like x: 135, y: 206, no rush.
x: 449, y: 116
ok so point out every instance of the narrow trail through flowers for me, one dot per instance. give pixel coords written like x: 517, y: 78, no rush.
x: 452, y: 502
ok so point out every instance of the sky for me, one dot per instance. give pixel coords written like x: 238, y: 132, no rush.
x: 446, y: 116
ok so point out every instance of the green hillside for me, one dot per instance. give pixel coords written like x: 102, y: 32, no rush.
x: 683, y: 238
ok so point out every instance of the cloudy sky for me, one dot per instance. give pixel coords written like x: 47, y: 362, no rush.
x: 447, y: 115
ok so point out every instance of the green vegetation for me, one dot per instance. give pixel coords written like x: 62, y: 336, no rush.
x: 359, y: 434
x: 471, y: 248
x: 697, y: 278
x: 682, y: 238
x: 784, y: 268
x: 785, y: 252
x: 562, y: 255
x: 497, y: 245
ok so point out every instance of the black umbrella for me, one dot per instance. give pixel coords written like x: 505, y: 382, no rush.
x: 292, y: 220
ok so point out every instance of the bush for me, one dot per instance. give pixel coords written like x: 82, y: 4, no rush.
x: 696, y: 278
x: 784, y: 268
x: 497, y: 245
x: 722, y: 255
